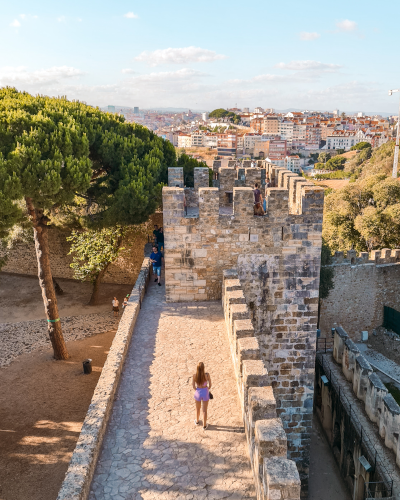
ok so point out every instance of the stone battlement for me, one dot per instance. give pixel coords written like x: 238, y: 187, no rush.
x: 380, y: 406
x: 295, y: 190
x: 378, y: 257
x: 274, y: 300
x: 275, y: 476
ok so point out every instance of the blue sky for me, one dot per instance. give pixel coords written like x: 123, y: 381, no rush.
x: 206, y: 54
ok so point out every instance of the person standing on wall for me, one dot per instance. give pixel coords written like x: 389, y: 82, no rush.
x: 157, y: 260
x: 201, y: 384
x: 258, y: 210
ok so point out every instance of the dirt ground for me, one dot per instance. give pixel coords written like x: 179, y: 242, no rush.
x: 21, y: 298
x: 332, y: 183
x: 43, y: 403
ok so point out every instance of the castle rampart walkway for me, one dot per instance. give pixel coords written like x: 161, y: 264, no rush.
x: 152, y: 449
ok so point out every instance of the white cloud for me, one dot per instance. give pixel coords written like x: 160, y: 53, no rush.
x: 128, y: 71
x: 20, y: 75
x: 15, y: 24
x: 309, y: 66
x: 35, y: 17
x: 79, y: 19
x: 61, y: 19
x: 131, y: 15
x: 308, y: 36
x: 346, y: 25
x: 22, y: 16
x: 179, y: 56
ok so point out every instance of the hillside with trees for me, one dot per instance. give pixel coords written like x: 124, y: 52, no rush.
x: 365, y: 214
x: 223, y: 113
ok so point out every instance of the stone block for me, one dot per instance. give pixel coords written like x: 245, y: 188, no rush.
x: 362, y: 371
x: 247, y: 348
x: 175, y: 177
x: 376, y: 392
x: 243, y: 202
x: 281, y: 480
x: 254, y: 374
x: 338, y: 344
x: 270, y: 439
x: 208, y: 203
x: 261, y: 403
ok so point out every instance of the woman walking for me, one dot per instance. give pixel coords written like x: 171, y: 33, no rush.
x: 201, y: 385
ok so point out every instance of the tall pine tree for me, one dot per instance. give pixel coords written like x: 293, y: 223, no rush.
x: 54, y: 152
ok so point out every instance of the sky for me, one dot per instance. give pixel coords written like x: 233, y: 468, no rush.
x: 205, y: 55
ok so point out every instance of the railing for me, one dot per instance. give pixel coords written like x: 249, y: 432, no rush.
x: 376, y: 490
x: 324, y: 345
x: 386, y: 485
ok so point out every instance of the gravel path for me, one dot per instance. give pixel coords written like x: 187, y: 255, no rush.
x: 152, y: 449
x: 27, y: 336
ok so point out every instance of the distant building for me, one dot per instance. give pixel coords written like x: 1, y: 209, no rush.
x: 335, y: 112
x: 246, y: 110
x: 292, y: 163
x: 198, y: 139
x: 184, y: 141
x: 258, y: 110
x: 136, y: 110
x: 278, y: 152
x: 271, y: 125
x: 204, y: 117
x: 342, y: 139
x: 111, y: 109
x: 360, y: 114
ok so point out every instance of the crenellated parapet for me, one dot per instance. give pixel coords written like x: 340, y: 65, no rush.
x: 377, y: 257
x: 275, y: 476
x: 272, y: 302
x: 379, y: 404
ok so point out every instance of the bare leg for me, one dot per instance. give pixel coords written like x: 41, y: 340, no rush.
x: 205, y: 406
x: 198, y: 406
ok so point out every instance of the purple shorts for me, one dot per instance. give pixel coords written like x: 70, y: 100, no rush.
x: 201, y: 394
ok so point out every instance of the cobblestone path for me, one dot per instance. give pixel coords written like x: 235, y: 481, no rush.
x: 152, y: 449
x: 386, y: 455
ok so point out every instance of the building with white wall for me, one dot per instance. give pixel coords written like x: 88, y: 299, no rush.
x: 292, y: 163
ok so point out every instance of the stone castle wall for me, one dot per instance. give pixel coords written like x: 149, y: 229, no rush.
x: 277, y: 259
x: 125, y: 270
x: 275, y: 476
x: 363, y: 285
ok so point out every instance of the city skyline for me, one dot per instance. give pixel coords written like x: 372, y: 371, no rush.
x: 287, y: 55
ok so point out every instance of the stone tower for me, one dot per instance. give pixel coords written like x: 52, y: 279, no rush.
x: 277, y: 260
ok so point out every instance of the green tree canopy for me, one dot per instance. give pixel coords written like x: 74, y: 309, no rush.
x: 223, y: 113
x: 93, y: 251
x: 360, y: 145
x: 53, y: 152
x: 335, y: 163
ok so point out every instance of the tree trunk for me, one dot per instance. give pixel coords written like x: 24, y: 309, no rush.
x: 96, y: 287
x: 40, y: 231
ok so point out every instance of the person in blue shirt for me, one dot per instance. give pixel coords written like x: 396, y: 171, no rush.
x: 157, y: 260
